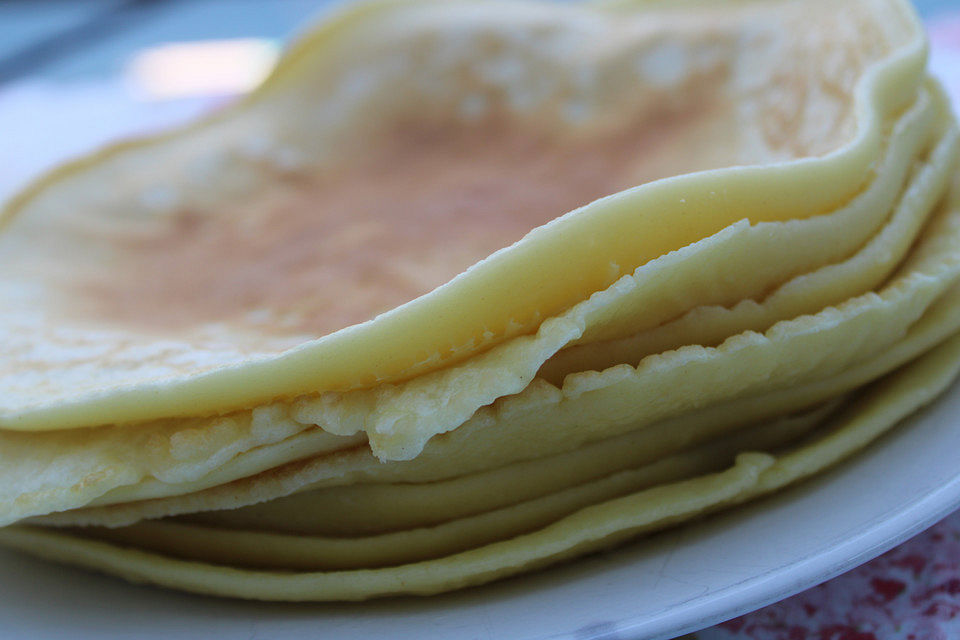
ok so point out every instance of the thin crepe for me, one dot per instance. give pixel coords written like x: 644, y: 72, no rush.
x: 101, y: 464
x: 751, y: 376
x: 78, y: 357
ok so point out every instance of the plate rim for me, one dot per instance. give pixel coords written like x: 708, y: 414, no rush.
x: 786, y: 580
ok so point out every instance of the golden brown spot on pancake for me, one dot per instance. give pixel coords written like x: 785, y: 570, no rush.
x: 333, y: 249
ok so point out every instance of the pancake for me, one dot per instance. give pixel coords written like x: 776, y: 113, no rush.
x: 119, y: 334
x: 589, y: 406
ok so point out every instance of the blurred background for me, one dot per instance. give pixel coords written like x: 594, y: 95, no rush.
x: 77, y: 74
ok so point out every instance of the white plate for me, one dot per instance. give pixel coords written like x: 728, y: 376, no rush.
x: 675, y: 582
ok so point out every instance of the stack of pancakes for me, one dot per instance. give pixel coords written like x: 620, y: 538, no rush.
x: 467, y: 288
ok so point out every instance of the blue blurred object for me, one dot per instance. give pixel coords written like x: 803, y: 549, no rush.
x: 67, y: 40
x: 63, y: 40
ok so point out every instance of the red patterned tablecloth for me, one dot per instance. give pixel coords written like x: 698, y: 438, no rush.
x: 911, y: 593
